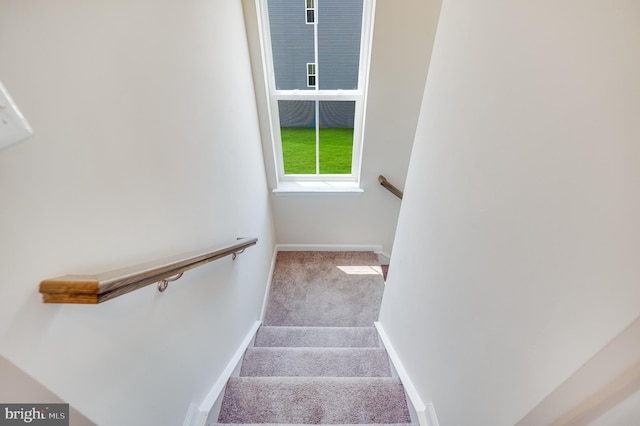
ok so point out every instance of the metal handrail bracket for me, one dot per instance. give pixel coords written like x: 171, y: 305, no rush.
x: 92, y: 289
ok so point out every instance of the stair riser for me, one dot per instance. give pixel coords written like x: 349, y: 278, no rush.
x: 355, y: 337
x: 316, y: 362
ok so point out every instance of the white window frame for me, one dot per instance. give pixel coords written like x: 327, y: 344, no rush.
x: 309, y: 183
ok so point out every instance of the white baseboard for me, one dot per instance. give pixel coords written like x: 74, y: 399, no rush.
x: 383, y: 257
x: 189, y: 419
x: 426, y: 413
x: 376, y: 248
x: 198, y: 416
x: 268, y: 287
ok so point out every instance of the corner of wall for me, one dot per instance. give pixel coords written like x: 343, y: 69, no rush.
x: 198, y: 416
x: 425, y: 412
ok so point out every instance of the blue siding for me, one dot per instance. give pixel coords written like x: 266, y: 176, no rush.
x: 337, y: 114
x: 339, y: 29
x: 302, y: 114
x: 291, y: 43
x: 297, y: 113
x: 339, y: 33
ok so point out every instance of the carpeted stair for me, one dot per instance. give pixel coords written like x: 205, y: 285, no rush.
x: 312, y: 362
x: 317, y: 359
x: 331, y: 337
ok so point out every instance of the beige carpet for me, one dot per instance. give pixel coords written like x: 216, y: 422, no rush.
x: 317, y: 359
x: 325, y: 289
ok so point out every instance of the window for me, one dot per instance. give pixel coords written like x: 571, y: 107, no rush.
x: 317, y: 71
x: 311, y: 75
x: 311, y: 13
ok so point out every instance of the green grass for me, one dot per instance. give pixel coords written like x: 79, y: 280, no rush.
x: 299, y: 150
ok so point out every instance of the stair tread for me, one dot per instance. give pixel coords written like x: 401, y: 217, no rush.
x: 292, y: 400
x: 306, y: 361
x: 296, y: 336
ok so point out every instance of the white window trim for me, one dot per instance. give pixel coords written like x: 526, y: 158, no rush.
x: 310, y: 184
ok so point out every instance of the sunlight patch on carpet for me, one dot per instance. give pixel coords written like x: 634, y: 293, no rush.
x: 361, y: 270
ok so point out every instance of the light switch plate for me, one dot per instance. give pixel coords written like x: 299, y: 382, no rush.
x: 13, y: 126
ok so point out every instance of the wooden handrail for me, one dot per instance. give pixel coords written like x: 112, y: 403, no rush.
x: 91, y: 289
x: 395, y: 191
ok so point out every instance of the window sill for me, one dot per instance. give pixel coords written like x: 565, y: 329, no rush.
x: 319, y: 187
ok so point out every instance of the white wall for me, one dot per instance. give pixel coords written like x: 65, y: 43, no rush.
x: 146, y: 145
x: 624, y: 414
x: 403, y: 37
x: 602, y: 389
x: 16, y: 387
x: 516, y: 254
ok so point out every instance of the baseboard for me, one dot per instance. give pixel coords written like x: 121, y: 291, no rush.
x: 268, y: 287
x: 197, y: 416
x: 426, y: 413
x: 383, y: 257
x: 192, y: 412
x: 329, y: 247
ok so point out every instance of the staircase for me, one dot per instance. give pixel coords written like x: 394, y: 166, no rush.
x: 317, y: 358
